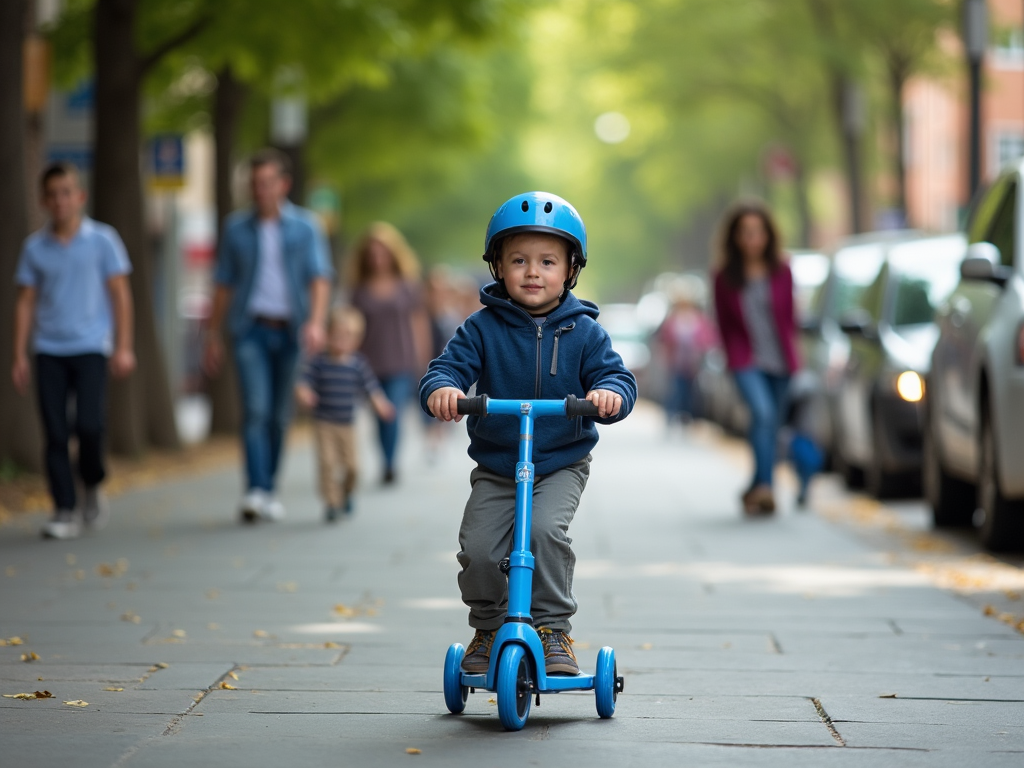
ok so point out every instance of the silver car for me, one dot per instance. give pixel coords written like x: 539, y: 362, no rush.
x: 974, y: 440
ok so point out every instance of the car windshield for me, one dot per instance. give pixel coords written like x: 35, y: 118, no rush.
x: 855, y: 268
x: 926, y: 272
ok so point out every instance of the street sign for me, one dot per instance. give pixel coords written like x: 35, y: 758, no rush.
x: 167, y: 162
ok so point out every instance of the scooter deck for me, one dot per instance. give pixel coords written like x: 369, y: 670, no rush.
x: 551, y: 684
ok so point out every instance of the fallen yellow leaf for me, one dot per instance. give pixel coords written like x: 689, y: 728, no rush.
x: 331, y: 644
x: 1012, y: 595
x: 131, y: 616
x: 989, y: 610
x: 227, y: 686
x: 260, y: 633
x: 15, y: 640
x: 413, y: 751
x: 233, y: 675
x: 77, y: 703
x: 161, y: 665
x: 30, y: 656
x: 492, y: 700
x: 33, y: 695
x: 178, y: 633
x: 80, y: 574
x: 113, y: 689
x: 646, y: 646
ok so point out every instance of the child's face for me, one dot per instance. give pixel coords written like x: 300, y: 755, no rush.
x: 342, y: 339
x: 534, y: 268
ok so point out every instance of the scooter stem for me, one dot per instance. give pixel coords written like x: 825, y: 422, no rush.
x: 520, y: 574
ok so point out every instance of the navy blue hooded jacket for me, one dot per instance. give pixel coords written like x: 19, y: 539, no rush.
x: 503, y: 350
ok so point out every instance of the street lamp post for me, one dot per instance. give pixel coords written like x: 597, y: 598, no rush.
x: 975, y: 42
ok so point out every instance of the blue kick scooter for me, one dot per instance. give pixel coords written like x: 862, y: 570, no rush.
x: 516, y: 671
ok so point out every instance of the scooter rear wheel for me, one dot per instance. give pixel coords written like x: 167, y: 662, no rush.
x: 455, y: 693
x: 606, y: 682
x: 515, y: 687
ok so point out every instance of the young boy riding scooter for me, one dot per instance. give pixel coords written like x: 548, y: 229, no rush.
x: 532, y: 340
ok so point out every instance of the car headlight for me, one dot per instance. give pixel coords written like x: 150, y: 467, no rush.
x: 910, y: 386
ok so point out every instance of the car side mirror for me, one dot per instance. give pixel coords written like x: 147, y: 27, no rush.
x: 857, y: 322
x: 980, y: 262
x: 983, y: 262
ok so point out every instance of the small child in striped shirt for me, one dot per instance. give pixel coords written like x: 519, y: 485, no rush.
x: 333, y: 384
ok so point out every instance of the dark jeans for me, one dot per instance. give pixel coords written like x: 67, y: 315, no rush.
x: 56, y: 378
x: 765, y: 395
x: 681, y: 399
x: 398, y: 389
x: 266, y: 358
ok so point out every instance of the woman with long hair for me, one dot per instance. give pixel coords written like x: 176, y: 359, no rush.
x: 754, y: 310
x: 384, y: 279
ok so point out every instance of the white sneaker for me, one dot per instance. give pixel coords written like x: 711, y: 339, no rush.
x: 95, y: 509
x: 273, y: 510
x: 253, y: 504
x: 64, y: 525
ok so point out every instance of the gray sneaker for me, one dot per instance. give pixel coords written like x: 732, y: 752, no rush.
x: 64, y: 525
x: 95, y: 509
x: 478, y: 655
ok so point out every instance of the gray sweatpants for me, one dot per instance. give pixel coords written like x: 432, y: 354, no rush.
x: 485, y: 538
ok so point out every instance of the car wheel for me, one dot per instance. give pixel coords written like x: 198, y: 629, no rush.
x: 877, y: 480
x: 1002, y: 527
x: 853, y: 477
x: 953, y: 501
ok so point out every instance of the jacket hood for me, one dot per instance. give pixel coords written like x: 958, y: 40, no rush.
x: 494, y: 295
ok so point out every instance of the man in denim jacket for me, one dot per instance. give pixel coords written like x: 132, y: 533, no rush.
x: 273, y: 283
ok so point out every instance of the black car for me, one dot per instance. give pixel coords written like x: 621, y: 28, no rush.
x: 892, y: 331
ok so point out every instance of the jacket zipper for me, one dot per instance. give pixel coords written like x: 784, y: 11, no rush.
x: 536, y: 386
x: 554, y: 353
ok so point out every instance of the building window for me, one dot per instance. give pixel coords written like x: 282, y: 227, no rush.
x: 1009, y: 148
x: 1008, y: 46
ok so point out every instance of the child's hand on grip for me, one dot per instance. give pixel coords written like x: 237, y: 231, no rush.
x: 608, y: 403
x: 443, y: 403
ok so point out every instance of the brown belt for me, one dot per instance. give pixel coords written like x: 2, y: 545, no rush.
x: 276, y: 323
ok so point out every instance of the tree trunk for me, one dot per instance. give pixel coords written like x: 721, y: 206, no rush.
x: 803, y: 203
x: 850, y: 125
x: 142, y: 410
x: 227, y: 108
x: 19, y: 429
x: 897, y: 80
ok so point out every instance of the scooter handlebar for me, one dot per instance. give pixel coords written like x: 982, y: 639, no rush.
x: 574, y: 406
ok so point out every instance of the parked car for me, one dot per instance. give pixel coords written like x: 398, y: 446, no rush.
x: 853, y: 266
x: 892, y: 333
x: 974, y: 442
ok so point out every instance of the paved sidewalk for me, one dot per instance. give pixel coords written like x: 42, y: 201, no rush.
x: 790, y: 642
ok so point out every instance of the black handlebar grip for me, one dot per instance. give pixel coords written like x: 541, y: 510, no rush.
x: 575, y: 407
x: 472, y: 406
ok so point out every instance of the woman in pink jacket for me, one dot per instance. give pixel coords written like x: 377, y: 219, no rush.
x: 754, y: 310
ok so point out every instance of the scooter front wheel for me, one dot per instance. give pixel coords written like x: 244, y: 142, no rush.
x: 606, y: 682
x: 455, y: 693
x: 515, y: 687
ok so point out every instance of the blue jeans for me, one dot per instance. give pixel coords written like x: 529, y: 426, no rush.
x: 266, y: 358
x: 765, y: 396
x: 680, y: 400
x: 398, y: 390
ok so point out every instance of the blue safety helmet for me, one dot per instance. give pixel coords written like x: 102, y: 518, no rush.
x: 539, y: 212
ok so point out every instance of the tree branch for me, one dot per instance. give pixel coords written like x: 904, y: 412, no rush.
x: 175, y: 41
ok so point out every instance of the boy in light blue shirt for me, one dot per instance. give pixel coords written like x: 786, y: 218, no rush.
x: 75, y: 303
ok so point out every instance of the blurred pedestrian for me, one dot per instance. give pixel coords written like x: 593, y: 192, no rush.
x: 753, y: 289
x: 75, y: 302
x: 684, y: 338
x: 273, y: 286
x: 444, y: 310
x: 332, y: 385
x: 385, y: 288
